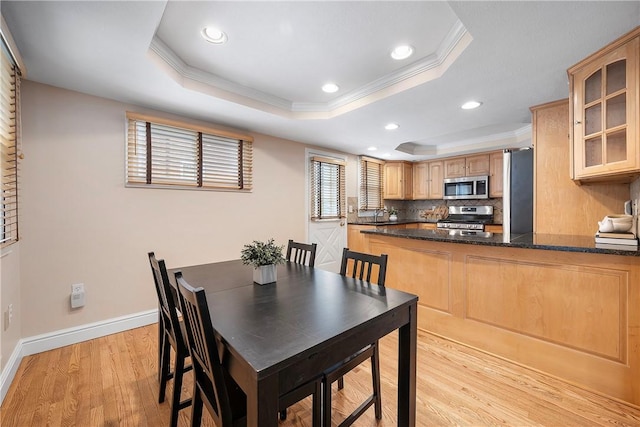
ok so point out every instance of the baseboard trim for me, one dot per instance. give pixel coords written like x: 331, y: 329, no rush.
x: 64, y: 337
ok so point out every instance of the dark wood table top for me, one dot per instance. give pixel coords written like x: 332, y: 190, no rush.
x: 272, y: 324
x: 284, y: 334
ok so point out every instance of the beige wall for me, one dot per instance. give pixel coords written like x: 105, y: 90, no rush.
x: 9, y: 294
x: 80, y: 224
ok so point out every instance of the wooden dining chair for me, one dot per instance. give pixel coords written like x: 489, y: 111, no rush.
x: 305, y: 254
x: 360, y: 266
x: 301, y: 253
x: 171, y: 336
x: 213, y: 385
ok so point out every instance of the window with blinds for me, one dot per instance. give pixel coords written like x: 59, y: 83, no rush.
x: 164, y: 155
x: 328, y: 188
x: 9, y: 127
x: 371, y: 179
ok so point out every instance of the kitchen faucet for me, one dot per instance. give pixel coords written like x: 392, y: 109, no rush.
x: 375, y: 214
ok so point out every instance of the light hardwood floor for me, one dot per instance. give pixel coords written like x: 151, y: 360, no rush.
x: 112, y: 381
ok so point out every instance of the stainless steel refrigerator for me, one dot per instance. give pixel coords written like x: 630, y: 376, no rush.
x: 517, y: 198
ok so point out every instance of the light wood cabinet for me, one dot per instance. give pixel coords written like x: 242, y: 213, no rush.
x: 573, y: 315
x: 605, y: 114
x: 436, y: 177
x: 477, y: 165
x: 427, y: 226
x: 421, y: 181
x: 357, y: 241
x: 495, y: 174
x: 493, y: 228
x: 427, y: 180
x: 398, y: 181
x: 455, y: 168
x: 561, y: 206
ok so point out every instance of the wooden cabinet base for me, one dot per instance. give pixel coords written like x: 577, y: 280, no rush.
x: 572, y: 315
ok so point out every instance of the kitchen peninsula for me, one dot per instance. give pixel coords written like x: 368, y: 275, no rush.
x: 553, y: 303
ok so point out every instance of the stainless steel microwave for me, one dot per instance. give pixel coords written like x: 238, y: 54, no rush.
x: 467, y: 187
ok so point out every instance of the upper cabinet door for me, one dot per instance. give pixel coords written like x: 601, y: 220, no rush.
x: 604, y: 101
x: 495, y: 175
x: 478, y: 165
x: 393, y: 175
x: 436, y: 176
x: 455, y: 168
x: 420, y: 181
x: 398, y: 180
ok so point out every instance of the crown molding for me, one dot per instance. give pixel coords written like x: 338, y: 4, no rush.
x: 512, y: 139
x: 415, y: 74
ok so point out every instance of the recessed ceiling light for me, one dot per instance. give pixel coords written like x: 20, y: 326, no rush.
x: 470, y: 105
x: 392, y: 126
x: 402, y: 52
x: 386, y: 155
x: 372, y: 148
x: 214, y: 35
x: 330, y: 88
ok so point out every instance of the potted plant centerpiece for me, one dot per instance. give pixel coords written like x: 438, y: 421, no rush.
x: 264, y: 257
x: 393, y: 214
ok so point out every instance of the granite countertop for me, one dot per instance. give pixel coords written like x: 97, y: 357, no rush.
x: 402, y: 221
x: 397, y: 222
x: 553, y: 242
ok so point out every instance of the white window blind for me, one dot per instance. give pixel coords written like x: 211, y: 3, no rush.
x: 328, y: 188
x: 162, y: 154
x: 371, y: 179
x: 9, y: 127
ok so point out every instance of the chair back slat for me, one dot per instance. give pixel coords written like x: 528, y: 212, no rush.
x: 301, y: 253
x: 167, y: 297
x: 362, y: 266
x: 210, y: 375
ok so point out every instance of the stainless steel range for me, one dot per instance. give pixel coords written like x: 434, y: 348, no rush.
x: 467, y: 218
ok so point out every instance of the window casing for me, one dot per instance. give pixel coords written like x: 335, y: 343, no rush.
x: 9, y: 138
x: 371, y: 182
x: 328, y: 189
x: 167, y: 154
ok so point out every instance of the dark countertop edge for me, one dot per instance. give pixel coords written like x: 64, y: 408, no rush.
x: 401, y: 222
x: 583, y: 244
x: 398, y: 222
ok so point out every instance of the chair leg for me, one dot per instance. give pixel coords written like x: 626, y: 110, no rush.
x: 196, y: 408
x: 283, y: 415
x: 340, y: 383
x: 165, y: 360
x: 375, y: 374
x: 326, y: 403
x: 178, y: 372
x: 161, y: 336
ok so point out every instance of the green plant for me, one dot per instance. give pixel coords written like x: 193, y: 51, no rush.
x: 262, y: 253
x: 393, y: 211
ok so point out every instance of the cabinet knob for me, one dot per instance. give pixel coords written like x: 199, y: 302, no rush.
x: 577, y: 122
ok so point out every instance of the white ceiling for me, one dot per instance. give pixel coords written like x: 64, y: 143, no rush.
x: 267, y: 77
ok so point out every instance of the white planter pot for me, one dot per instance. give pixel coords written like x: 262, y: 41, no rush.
x: 393, y: 217
x: 265, y: 274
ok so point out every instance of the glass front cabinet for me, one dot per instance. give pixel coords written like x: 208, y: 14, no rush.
x: 605, y: 111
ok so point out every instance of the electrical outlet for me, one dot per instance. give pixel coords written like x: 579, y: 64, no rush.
x: 77, y: 295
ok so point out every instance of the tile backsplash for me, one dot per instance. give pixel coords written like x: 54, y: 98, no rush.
x: 417, y: 209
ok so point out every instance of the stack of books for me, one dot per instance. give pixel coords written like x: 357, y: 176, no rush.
x: 617, y: 241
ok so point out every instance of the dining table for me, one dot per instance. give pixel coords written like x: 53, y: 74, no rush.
x: 283, y: 334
